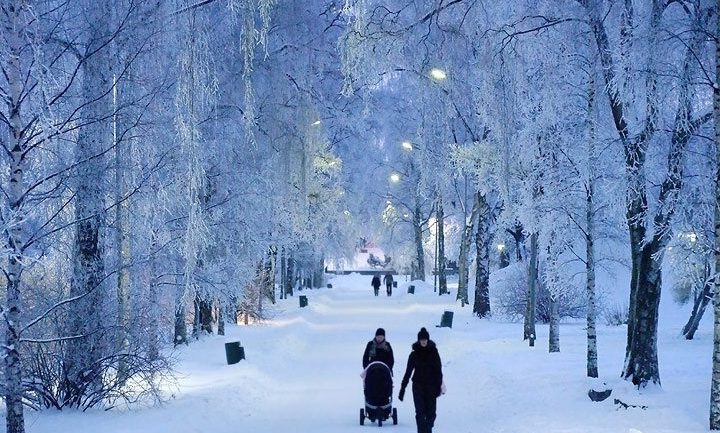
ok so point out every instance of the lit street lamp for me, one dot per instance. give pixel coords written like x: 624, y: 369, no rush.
x: 438, y: 74
x: 394, y: 178
x: 407, y: 145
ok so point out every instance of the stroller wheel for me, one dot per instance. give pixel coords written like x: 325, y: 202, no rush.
x: 394, y: 416
x: 362, y: 416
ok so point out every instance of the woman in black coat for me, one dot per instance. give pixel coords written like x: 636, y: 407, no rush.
x: 378, y: 349
x: 426, y: 369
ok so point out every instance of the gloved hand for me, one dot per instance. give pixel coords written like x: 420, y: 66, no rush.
x: 402, y: 394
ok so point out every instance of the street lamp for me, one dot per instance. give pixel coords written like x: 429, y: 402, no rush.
x: 438, y: 74
x: 407, y: 145
x: 394, y: 178
x: 316, y: 123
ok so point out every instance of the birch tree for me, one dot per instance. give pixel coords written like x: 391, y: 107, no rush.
x: 649, y: 232
x: 715, y: 380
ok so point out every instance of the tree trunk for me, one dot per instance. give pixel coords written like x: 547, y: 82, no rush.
x: 552, y: 285
x: 262, y: 286
x: 463, y: 265
x: 290, y: 275
x: 196, y: 318
x: 13, y: 24
x: 554, y: 339
x: 221, y: 318
x: 154, y: 298
x: 271, y: 276
x: 641, y: 362
x: 206, y: 318
x: 519, y: 238
x: 715, y: 382
x: 419, y: 252
x: 592, y: 356
x: 283, y: 274
x: 701, y: 302
x: 481, y: 304
x: 122, y: 230
x: 86, y: 315
x: 442, y: 275
x: 529, y: 327
x: 180, y: 326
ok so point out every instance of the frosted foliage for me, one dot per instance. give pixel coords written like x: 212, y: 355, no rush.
x: 196, y: 93
x: 352, y: 45
x: 690, y: 265
x: 480, y: 160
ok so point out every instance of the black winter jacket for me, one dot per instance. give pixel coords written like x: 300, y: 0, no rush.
x: 427, y: 367
x: 382, y: 352
x: 375, y: 282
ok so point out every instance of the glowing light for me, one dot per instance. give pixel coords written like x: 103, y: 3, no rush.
x: 407, y: 145
x: 501, y: 247
x: 438, y: 74
x: 316, y: 123
x: 395, y: 178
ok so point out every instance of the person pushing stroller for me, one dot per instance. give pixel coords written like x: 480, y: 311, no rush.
x: 378, y: 349
x: 378, y: 361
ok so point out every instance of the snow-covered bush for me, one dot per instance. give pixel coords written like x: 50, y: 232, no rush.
x: 508, y: 292
x: 615, y: 314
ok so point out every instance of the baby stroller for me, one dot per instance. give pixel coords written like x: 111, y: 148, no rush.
x: 378, y: 387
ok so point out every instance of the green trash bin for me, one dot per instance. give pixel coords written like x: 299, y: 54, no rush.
x: 234, y: 352
x: 446, y: 319
x: 411, y: 289
x: 303, y: 301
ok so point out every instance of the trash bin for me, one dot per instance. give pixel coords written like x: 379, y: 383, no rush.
x: 447, y: 319
x: 234, y: 352
x: 395, y: 284
x: 329, y: 286
x: 303, y: 301
x: 411, y: 289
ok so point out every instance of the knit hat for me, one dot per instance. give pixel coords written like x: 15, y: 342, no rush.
x: 423, y: 334
x: 380, y: 331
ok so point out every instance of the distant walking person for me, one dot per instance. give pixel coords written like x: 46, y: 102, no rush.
x: 424, y: 361
x: 375, y: 283
x: 378, y: 349
x: 388, y: 279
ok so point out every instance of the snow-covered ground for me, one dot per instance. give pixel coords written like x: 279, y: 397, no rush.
x: 302, y: 375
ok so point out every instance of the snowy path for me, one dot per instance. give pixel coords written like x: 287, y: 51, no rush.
x: 302, y: 375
